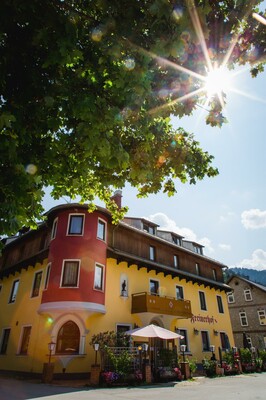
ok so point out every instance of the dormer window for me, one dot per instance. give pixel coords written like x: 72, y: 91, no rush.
x: 197, y: 249
x: 149, y: 229
x: 176, y: 240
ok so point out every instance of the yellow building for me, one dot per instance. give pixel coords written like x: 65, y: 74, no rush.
x: 79, y: 275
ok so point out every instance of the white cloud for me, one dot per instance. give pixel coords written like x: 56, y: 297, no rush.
x: 225, y: 247
x: 253, y: 219
x: 168, y: 224
x: 257, y: 261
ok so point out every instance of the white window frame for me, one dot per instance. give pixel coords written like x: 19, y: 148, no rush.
x: 242, y: 317
x: 102, y: 268
x: 262, y: 317
x: 176, y: 261
x: 247, y: 295
x: 101, y: 221
x: 47, y: 276
x: 197, y: 268
x: 200, y: 302
x: 220, y: 304
x: 214, y: 274
x: 54, y: 229
x: 158, y: 291
x: 62, y: 274
x: 69, y: 224
x: 33, y: 283
x: 230, y: 297
x: 208, y: 340
x: 152, y: 253
x: 14, y: 291
x: 182, y: 290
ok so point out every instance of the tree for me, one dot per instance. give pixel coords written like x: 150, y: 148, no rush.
x: 87, y: 89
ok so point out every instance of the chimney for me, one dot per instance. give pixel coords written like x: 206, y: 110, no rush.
x: 117, y: 198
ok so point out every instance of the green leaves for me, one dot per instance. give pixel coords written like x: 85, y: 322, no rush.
x: 87, y: 92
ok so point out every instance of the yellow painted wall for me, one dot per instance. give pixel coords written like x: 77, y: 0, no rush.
x: 118, y: 311
x: 18, y: 314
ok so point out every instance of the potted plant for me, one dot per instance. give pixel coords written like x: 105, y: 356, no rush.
x: 192, y: 366
x: 246, y: 360
x: 209, y: 366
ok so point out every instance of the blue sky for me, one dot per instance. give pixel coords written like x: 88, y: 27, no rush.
x: 227, y: 214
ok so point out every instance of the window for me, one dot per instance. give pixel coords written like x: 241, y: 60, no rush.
x: 183, y: 332
x: 214, y: 274
x: 4, y: 341
x: 68, y: 339
x: 152, y: 253
x: 36, y: 284
x: 176, y: 261
x: 220, y: 304
x: 176, y: 240
x: 149, y: 229
x: 14, y: 291
x: 230, y: 297
x: 98, y: 277
x: 247, y: 294
x: 262, y: 317
x: 179, y: 293
x: 48, y: 270
x: 197, y: 249
x: 120, y: 330
x: 54, y: 229
x: 243, y: 318
x: 154, y: 287
x: 70, y: 274
x: 197, y: 268
x: 101, y: 228
x: 202, y: 299
x: 75, y: 225
x: 205, y: 341
x: 25, y: 339
x: 225, y: 344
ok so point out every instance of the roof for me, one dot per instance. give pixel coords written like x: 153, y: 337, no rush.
x: 257, y: 285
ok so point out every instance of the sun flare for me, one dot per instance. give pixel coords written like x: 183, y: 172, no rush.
x: 217, y: 81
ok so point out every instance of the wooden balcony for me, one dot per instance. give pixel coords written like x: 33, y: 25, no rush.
x: 146, y: 302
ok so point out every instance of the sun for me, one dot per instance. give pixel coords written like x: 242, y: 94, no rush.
x: 217, y: 81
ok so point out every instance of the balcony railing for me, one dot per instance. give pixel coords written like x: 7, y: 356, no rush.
x: 147, y: 302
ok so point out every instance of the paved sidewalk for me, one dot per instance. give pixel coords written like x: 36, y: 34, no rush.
x: 244, y: 387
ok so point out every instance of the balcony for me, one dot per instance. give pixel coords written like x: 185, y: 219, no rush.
x: 146, y: 302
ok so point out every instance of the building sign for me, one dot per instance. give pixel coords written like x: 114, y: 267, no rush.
x: 206, y: 319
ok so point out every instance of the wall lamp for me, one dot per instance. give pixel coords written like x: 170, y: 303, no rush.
x: 196, y: 331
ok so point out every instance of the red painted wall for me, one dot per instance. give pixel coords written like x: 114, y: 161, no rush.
x: 87, y: 248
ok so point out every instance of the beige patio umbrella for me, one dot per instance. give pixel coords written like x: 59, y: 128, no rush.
x: 153, y: 331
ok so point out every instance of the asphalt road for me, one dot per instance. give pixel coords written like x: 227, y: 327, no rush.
x: 244, y: 387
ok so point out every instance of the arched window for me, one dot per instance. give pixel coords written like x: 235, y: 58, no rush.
x: 68, y: 339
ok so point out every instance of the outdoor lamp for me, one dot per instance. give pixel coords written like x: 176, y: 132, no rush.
x: 183, y: 349
x: 51, y: 347
x: 212, y: 349
x: 96, y: 348
x: 234, y: 350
